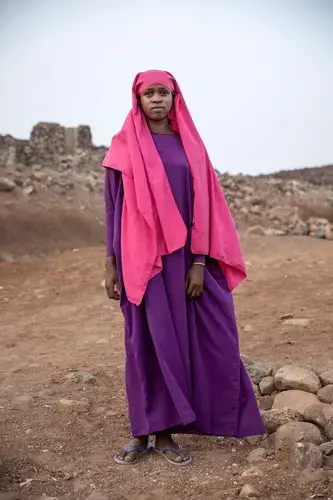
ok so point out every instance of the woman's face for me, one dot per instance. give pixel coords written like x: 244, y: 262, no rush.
x: 156, y: 102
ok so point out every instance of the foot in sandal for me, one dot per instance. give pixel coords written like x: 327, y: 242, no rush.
x: 165, y: 446
x: 133, y: 451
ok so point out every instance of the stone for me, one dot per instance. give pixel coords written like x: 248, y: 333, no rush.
x: 266, y: 402
x: 256, y: 230
x: 327, y: 377
x: 252, y: 472
x: 328, y: 411
x: 279, y: 365
x: 326, y: 394
x: 329, y: 475
x: 84, y: 137
x: 6, y: 185
x: 286, y: 316
x: 24, y: 399
x: 311, y: 477
x: 27, y: 190
x: 267, y: 386
x: 306, y: 455
x: 328, y: 232
x: 73, y: 402
x: 299, y: 400
x: 258, y: 371
x: 315, y: 414
x: 328, y: 462
x: 257, y: 455
x: 249, y: 491
x: 298, y: 378
x: 84, y: 377
x: 318, y: 368
x: 269, y: 442
x: 297, y: 322
x: 296, y: 432
x: 97, y: 496
x: 256, y: 391
x: 329, y: 430
x: 253, y: 440
x: 317, y: 227
x: 248, y: 329
x: 246, y: 361
x: 327, y: 448
x: 273, y: 419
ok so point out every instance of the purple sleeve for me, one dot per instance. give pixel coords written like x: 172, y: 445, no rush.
x: 109, y: 212
x: 201, y: 259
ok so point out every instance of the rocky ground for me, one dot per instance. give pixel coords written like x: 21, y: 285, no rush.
x: 63, y: 408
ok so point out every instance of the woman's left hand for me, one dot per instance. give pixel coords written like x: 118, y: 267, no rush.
x: 195, y: 281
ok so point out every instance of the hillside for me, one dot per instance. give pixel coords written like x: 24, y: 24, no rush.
x: 319, y: 176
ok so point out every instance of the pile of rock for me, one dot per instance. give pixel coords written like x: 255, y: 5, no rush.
x: 320, y: 228
x: 296, y: 403
x: 270, y: 206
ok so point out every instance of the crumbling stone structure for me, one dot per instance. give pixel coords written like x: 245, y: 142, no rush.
x: 52, y: 145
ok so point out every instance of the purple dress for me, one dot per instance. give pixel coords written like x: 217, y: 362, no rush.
x: 183, y: 367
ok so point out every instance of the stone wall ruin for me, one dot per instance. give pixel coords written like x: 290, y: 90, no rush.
x: 51, y: 145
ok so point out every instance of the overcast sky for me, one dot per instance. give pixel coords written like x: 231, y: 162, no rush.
x: 257, y: 75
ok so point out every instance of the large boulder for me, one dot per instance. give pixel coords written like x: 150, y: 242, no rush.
x: 312, y: 477
x: 329, y: 430
x: 249, y: 491
x: 258, y: 371
x: 297, y: 377
x: 299, y: 400
x: 315, y: 414
x: 273, y: 419
x: 306, y: 455
x: 327, y: 377
x: 327, y: 448
x: 328, y: 412
x: 266, y: 402
x: 267, y: 386
x: 326, y: 394
x: 6, y: 184
x: 296, y: 432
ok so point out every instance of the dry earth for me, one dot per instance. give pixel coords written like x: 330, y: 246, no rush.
x: 58, y: 437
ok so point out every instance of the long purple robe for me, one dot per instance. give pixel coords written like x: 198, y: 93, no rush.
x: 183, y: 366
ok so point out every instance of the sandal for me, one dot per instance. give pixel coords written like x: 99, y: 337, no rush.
x: 128, y: 448
x: 176, y: 449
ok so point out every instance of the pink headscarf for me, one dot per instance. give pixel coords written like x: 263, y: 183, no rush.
x: 151, y: 223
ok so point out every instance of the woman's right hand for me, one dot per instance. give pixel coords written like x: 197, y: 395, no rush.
x: 111, y: 279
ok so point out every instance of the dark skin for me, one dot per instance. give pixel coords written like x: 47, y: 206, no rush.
x: 156, y: 103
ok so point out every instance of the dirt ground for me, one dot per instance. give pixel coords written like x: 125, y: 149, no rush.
x: 58, y: 437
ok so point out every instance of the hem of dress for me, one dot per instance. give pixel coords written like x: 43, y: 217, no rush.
x: 223, y: 431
